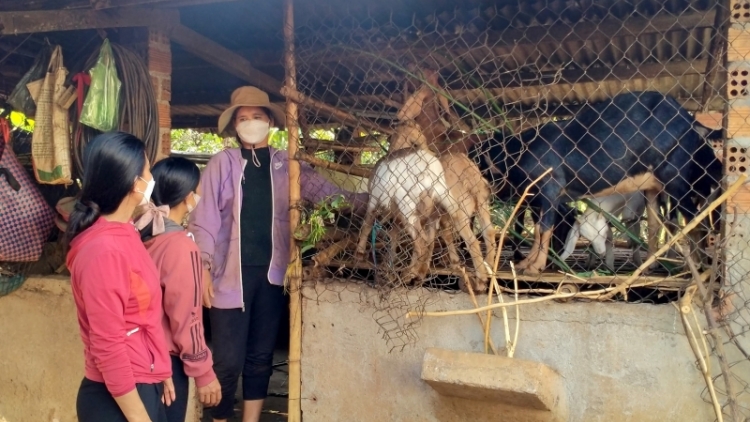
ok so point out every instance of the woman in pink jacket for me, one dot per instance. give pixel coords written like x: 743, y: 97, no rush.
x: 177, y: 258
x: 116, y: 288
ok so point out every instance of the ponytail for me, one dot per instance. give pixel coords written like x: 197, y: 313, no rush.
x: 84, y: 215
x: 112, y: 163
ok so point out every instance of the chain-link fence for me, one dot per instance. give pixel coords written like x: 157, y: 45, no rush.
x: 593, y: 145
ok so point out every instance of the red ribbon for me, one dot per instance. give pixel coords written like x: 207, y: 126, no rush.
x: 82, y: 79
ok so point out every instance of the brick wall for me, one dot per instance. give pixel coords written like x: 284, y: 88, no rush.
x: 160, y: 68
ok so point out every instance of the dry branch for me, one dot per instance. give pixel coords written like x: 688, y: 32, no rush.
x: 685, y: 308
x: 476, y: 305
x: 339, y: 115
x: 341, y: 168
x: 715, y: 334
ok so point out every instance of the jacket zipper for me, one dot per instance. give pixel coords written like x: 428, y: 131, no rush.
x: 239, y: 228
x: 145, y: 344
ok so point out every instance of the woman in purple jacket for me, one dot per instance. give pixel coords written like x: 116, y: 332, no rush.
x: 242, y: 228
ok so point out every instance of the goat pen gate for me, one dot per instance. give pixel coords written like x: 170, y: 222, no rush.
x: 474, y: 112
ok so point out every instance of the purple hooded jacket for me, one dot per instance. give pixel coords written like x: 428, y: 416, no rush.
x: 215, y: 222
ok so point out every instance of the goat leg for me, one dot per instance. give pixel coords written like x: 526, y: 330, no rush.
x: 488, y: 230
x: 540, y: 261
x: 653, y: 222
x: 609, y: 254
x: 531, y: 257
x: 364, y: 233
x: 446, y: 233
x: 414, y: 228
x: 462, y: 223
x: 430, y: 231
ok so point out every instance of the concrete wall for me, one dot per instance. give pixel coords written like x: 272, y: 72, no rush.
x: 41, y: 354
x: 619, y: 362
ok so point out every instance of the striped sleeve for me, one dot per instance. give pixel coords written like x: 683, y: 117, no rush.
x: 182, y: 278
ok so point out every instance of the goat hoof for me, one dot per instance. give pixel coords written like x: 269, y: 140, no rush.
x: 522, y: 265
x: 531, y: 270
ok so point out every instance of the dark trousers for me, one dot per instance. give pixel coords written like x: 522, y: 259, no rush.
x: 177, y: 411
x: 243, y: 342
x: 96, y: 404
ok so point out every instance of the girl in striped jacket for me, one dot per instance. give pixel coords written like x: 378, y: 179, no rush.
x: 178, y: 260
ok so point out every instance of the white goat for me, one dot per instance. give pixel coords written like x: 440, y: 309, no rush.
x: 410, y: 185
x: 593, y: 226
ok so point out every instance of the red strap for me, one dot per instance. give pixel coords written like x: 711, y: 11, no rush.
x: 5, y: 129
x: 82, y: 79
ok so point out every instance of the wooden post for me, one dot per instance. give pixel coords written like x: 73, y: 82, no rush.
x: 294, y: 271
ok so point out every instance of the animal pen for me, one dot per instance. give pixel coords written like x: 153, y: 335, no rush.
x: 530, y: 164
x: 624, y: 120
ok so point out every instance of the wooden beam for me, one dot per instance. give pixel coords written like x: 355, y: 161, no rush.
x: 13, y: 23
x: 341, y: 168
x: 109, y: 4
x: 337, y: 114
x: 518, y: 39
x: 317, y: 145
x: 223, y: 58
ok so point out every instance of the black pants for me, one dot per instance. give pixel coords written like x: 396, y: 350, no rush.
x: 177, y: 411
x: 243, y: 342
x: 96, y: 404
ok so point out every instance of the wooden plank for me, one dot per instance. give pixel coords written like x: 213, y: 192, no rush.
x: 109, y: 4
x: 220, y: 56
x: 654, y: 282
x: 13, y: 23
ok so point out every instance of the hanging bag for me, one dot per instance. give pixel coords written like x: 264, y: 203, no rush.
x: 26, y: 219
x: 50, y: 144
x: 20, y: 99
x: 101, y: 109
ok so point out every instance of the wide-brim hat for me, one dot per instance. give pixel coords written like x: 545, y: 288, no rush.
x: 249, y: 96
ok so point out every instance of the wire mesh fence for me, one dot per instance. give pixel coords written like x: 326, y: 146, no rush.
x: 573, y: 150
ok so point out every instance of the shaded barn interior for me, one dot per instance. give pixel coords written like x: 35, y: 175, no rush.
x: 530, y: 56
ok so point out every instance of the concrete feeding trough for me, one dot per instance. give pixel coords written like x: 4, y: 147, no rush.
x: 498, y: 379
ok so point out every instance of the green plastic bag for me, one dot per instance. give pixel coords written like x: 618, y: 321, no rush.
x: 101, y: 109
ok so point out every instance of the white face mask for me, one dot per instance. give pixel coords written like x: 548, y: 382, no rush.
x: 149, y: 190
x: 197, y: 199
x: 252, y: 132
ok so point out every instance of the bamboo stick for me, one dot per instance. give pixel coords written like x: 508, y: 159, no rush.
x: 690, y: 226
x: 341, y: 168
x: 340, y: 115
x: 294, y: 271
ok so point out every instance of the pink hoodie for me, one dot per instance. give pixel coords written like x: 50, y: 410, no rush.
x: 117, y: 294
x: 178, y: 260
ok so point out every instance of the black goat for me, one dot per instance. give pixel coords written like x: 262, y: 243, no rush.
x: 634, y: 141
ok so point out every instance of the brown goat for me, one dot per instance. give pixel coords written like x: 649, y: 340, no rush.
x: 464, y: 180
